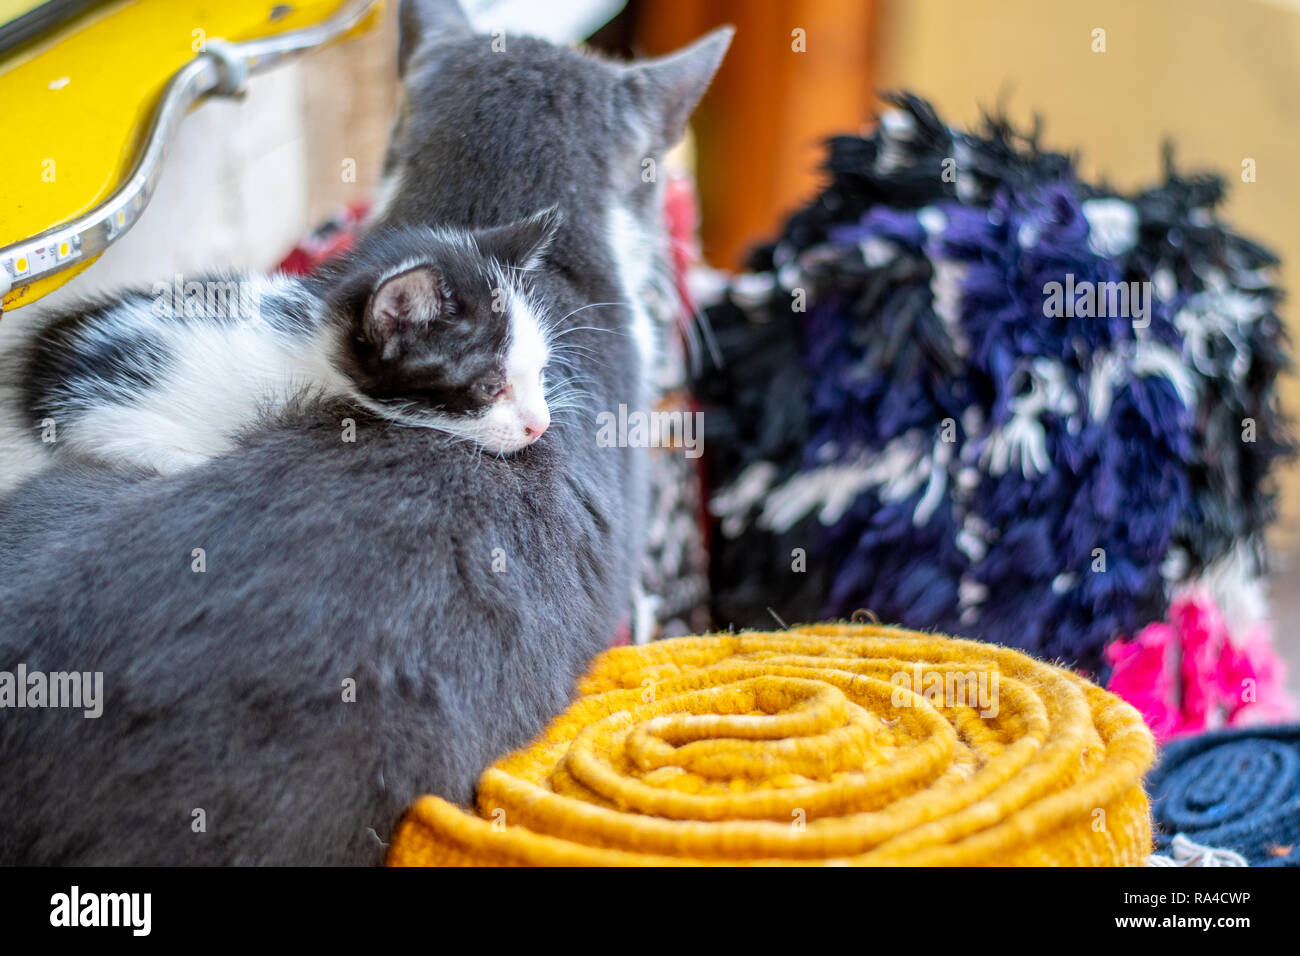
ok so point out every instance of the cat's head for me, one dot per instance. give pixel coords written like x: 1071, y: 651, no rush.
x: 440, y: 329
x: 492, y: 126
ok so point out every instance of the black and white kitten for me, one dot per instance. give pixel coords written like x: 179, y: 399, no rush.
x: 422, y: 327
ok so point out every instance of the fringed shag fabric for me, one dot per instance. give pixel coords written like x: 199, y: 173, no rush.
x: 1182, y: 852
x: 1238, y: 789
x: 673, y: 597
x: 825, y: 744
x: 970, y: 392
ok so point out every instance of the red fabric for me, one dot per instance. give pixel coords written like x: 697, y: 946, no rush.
x: 332, y: 239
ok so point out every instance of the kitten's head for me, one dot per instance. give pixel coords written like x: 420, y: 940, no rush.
x: 440, y: 329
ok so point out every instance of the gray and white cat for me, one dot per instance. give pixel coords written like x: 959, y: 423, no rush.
x: 422, y: 327
x: 299, y: 636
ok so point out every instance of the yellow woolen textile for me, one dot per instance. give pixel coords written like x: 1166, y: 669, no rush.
x: 822, y: 744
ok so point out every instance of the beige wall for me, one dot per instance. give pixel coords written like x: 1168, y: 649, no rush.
x: 1221, y: 77
x: 350, y: 93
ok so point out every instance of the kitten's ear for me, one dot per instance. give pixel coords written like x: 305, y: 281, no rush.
x: 402, y: 305
x: 419, y: 21
x: 523, y: 243
x: 670, y: 87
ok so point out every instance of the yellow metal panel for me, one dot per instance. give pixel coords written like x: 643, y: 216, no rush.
x: 77, y: 104
x: 13, y: 9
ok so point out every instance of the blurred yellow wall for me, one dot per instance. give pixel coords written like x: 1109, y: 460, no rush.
x: 1221, y: 77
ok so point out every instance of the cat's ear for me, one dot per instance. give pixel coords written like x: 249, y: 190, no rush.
x: 402, y: 306
x: 521, y: 244
x: 669, y: 88
x: 419, y: 21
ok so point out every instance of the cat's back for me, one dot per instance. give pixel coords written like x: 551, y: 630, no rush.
x: 393, y: 683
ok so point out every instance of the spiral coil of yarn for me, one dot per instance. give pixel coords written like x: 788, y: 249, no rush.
x: 1238, y: 789
x: 823, y: 744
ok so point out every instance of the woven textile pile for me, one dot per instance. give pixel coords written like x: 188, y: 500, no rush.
x: 826, y: 744
x: 970, y: 392
x: 1238, y: 789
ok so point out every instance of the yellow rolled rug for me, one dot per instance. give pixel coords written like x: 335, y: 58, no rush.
x: 828, y: 744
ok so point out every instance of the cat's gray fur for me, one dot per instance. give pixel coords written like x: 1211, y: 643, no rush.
x: 328, y: 561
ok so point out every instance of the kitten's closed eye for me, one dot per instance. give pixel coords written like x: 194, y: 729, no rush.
x: 491, y: 389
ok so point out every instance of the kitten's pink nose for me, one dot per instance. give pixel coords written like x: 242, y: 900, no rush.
x: 537, y: 423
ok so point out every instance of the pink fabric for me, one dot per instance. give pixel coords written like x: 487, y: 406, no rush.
x: 1186, y: 675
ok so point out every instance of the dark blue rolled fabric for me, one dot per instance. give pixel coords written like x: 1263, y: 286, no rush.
x: 1235, y: 788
